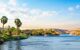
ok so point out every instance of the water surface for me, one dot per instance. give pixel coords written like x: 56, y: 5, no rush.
x: 45, y: 43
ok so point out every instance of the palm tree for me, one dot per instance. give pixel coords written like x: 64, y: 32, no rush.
x: 4, y: 20
x: 18, y: 24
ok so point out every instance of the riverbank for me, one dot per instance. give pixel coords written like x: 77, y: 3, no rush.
x: 8, y: 38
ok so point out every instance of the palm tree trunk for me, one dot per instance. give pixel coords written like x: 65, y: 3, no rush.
x: 17, y: 30
x: 18, y: 33
x: 3, y: 26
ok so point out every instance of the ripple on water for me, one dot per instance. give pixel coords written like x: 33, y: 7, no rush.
x: 43, y: 43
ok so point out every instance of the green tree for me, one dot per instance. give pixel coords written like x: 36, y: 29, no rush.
x: 18, y: 24
x: 4, y: 20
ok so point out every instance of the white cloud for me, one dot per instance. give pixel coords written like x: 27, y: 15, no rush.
x: 71, y: 8
x: 49, y: 13
x: 77, y: 6
x: 38, y: 12
x: 74, y: 10
x: 12, y: 2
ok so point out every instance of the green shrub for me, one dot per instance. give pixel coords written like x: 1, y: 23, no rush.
x: 5, y: 37
x: 22, y: 36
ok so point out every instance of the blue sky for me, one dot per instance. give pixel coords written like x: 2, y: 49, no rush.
x: 63, y: 14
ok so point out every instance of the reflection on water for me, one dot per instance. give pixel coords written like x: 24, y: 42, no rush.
x: 43, y: 43
x: 1, y: 47
x: 10, y: 45
x: 18, y: 46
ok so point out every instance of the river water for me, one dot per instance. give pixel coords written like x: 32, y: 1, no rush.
x: 44, y: 43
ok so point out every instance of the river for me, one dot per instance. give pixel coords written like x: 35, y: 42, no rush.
x: 44, y: 43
